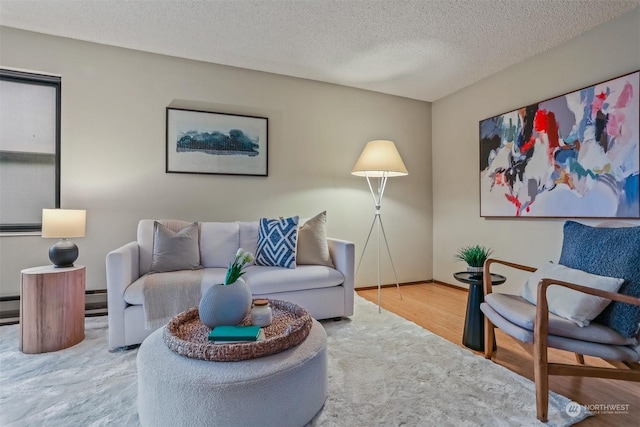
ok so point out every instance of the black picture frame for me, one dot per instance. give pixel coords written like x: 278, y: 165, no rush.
x: 214, y: 143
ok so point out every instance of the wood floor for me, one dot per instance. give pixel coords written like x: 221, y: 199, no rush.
x: 441, y: 309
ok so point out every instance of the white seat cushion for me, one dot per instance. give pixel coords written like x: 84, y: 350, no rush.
x: 261, y: 280
x: 266, y: 280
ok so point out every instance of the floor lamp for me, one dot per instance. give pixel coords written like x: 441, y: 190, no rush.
x: 380, y: 160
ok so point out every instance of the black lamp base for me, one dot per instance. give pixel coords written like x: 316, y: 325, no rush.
x: 63, y: 253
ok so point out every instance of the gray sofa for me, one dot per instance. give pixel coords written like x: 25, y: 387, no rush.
x: 324, y: 291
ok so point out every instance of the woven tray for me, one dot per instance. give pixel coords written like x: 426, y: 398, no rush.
x: 188, y: 336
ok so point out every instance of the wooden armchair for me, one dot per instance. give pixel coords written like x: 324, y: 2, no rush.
x: 538, y: 329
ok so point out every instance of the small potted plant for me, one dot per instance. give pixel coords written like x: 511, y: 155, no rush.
x: 474, y: 256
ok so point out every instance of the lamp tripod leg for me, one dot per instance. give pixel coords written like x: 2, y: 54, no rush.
x: 365, y: 244
x: 389, y: 252
x: 378, y: 263
x: 378, y: 217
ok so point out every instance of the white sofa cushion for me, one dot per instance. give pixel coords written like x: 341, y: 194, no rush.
x: 218, y: 243
x: 266, y: 280
x: 145, y: 243
x: 248, y: 236
x: 261, y: 280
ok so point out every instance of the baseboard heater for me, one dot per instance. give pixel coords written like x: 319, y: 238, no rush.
x: 95, y: 305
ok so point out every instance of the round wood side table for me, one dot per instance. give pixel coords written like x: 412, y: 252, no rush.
x: 473, y: 336
x: 51, y: 308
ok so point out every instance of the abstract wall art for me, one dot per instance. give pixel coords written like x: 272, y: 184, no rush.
x: 573, y: 156
x: 204, y: 142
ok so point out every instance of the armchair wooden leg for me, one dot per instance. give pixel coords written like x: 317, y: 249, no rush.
x: 489, y: 334
x: 541, y: 377
x: 579, y: 358
x: 541, y: 374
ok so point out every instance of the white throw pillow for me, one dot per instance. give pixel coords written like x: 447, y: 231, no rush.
x: 576, y: 306
x: 218, y: 243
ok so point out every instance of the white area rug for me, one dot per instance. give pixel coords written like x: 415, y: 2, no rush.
x: 383, y: 370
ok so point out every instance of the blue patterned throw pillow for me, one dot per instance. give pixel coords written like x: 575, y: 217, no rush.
x: 613, y: 252
x: 277, y: 239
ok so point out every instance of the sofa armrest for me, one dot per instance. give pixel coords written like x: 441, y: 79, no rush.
x: 343, y: 256
x: 122, y: 270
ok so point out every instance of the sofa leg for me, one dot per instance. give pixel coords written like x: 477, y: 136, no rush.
x: 124, y: 348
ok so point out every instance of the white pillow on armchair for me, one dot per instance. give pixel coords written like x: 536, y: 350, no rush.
x: 573, y: 305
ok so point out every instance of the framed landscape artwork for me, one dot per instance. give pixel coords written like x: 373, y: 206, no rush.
x: 573, y: 156
x: 216, y: 143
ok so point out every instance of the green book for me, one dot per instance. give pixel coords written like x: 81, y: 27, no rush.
x: 234, y: 333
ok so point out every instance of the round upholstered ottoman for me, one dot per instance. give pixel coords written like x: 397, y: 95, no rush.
x: 284, y: 389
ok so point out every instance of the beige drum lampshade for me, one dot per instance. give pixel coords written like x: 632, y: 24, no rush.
x: 379, y: 158
x: 63, y: 223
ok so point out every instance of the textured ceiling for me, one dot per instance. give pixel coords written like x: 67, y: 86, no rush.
x: 421, y: 49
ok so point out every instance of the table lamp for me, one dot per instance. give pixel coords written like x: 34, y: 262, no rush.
x: 63, y: 224
x: 379, y: 159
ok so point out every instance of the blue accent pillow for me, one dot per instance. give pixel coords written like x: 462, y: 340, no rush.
x: 277, y: 240
x: 613, y: 252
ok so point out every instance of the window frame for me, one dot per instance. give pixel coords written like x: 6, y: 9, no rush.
x: 26, y: 77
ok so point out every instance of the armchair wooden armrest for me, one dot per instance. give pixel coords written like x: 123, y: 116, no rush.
x: 489, y: 332
x: 486, y: 280
x: 541, y: 366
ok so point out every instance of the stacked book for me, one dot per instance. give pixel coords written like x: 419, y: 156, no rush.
x: 234, y: 334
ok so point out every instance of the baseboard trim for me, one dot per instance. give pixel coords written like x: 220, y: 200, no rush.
x: 393, y: 285
x: 419, y: 282
x: 95, y: 305
x: 449, y: 285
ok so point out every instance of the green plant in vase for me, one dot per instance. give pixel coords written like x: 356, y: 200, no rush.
x: 474, y: 256
x: 235, y: 269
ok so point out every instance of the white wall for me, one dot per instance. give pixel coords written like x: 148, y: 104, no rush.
x: 605, y: 52
x: 113, y: 153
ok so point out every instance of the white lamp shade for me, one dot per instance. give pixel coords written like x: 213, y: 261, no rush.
x: 63, y: 223
x: 379, y: 158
